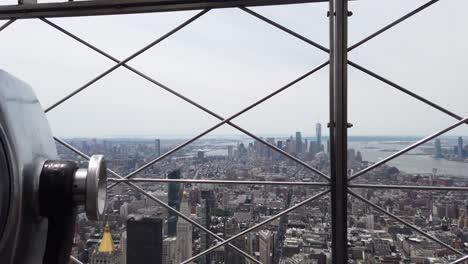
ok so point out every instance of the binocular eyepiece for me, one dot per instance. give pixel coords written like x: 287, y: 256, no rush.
x: 39, y: 194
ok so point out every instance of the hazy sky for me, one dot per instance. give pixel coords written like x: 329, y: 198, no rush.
x: 228, y: 59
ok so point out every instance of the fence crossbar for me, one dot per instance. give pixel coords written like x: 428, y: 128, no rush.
x: 201, y: 254
x: 409, y: 187
x: 75, y: 260
x: 406, y: 91
x: 152, y: 197
x: 410, y: 147
x: 394, y: 23
x: 460, y: 260
x: 8, y: 23
x: 404, y: 222
x: 75, y: 8
x: 285, y: 29
x: 204, y: 181
x: 129, y: 58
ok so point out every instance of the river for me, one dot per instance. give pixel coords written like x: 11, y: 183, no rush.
x: 416, y: 162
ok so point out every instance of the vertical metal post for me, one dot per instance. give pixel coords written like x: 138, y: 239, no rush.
x: 331, y: 123
x: 339, y: 126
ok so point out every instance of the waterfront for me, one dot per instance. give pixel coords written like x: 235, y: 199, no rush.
x: 415, y: 162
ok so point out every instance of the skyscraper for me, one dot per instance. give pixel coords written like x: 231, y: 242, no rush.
x: 201, y: 155
x: 269, y: 151
x: 174, y: 202
x: 207, y: 203
x: 298, y: 142
x: 230, y: 151
x: 358, y: 156
x: 279, y: 144
x: 157, y: 147
x: 460, y: 147
x: 184, y: 233
x: 169, y: 254
x: 265, y: 246
x: 290, y: 146
x: 313, y: 147
x: 438, y: 149
x: 231, y: 228
x: 318, y: 133
x: 242, y: 150
x: 144, y: 240
x: 123, y: 247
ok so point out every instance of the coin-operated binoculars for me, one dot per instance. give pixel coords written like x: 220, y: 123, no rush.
x: 39, y: 194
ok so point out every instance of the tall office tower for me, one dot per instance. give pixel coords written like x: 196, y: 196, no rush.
x: 106, y: 252
x: 438, y: 149
x: 257, y: 147
x: 288, y: 146
x: 203, y: 215
x: 144, y: 240
x: 460, y: 147
x: 123, y: 247
x: 351, y: 156
x: 169, y: 253
x: 233, y: 257
x: 279, y: 144
x: 313, y: 147
x: 250, y: 149
x: 358, y: 157
x: 265, y: 246
x: 242, y: 150
x: 249, y: 244
x: 318, y: 133
x: 305, y: 145
x: 157, y: 147
x: 208, y: 202
x: 270, y: 152
x: 174, y: 202
x: 292, y: 145
x: 230, y: 151
x: 201, y: 155
x: 298, y: 142
x: 184, y: 232
x: 231, y: 228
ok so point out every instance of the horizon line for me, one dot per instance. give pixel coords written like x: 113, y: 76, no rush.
x: 237, y: 136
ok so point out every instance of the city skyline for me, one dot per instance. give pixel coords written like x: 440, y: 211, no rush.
x: 228, y: 209
x: 244, y: 137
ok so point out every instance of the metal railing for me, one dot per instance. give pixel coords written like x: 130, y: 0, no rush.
x: 338, y: 183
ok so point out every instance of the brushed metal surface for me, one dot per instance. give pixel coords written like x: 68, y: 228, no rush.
x: 27, y: 143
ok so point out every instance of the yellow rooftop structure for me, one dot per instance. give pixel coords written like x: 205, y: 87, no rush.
x: 107, y: 244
